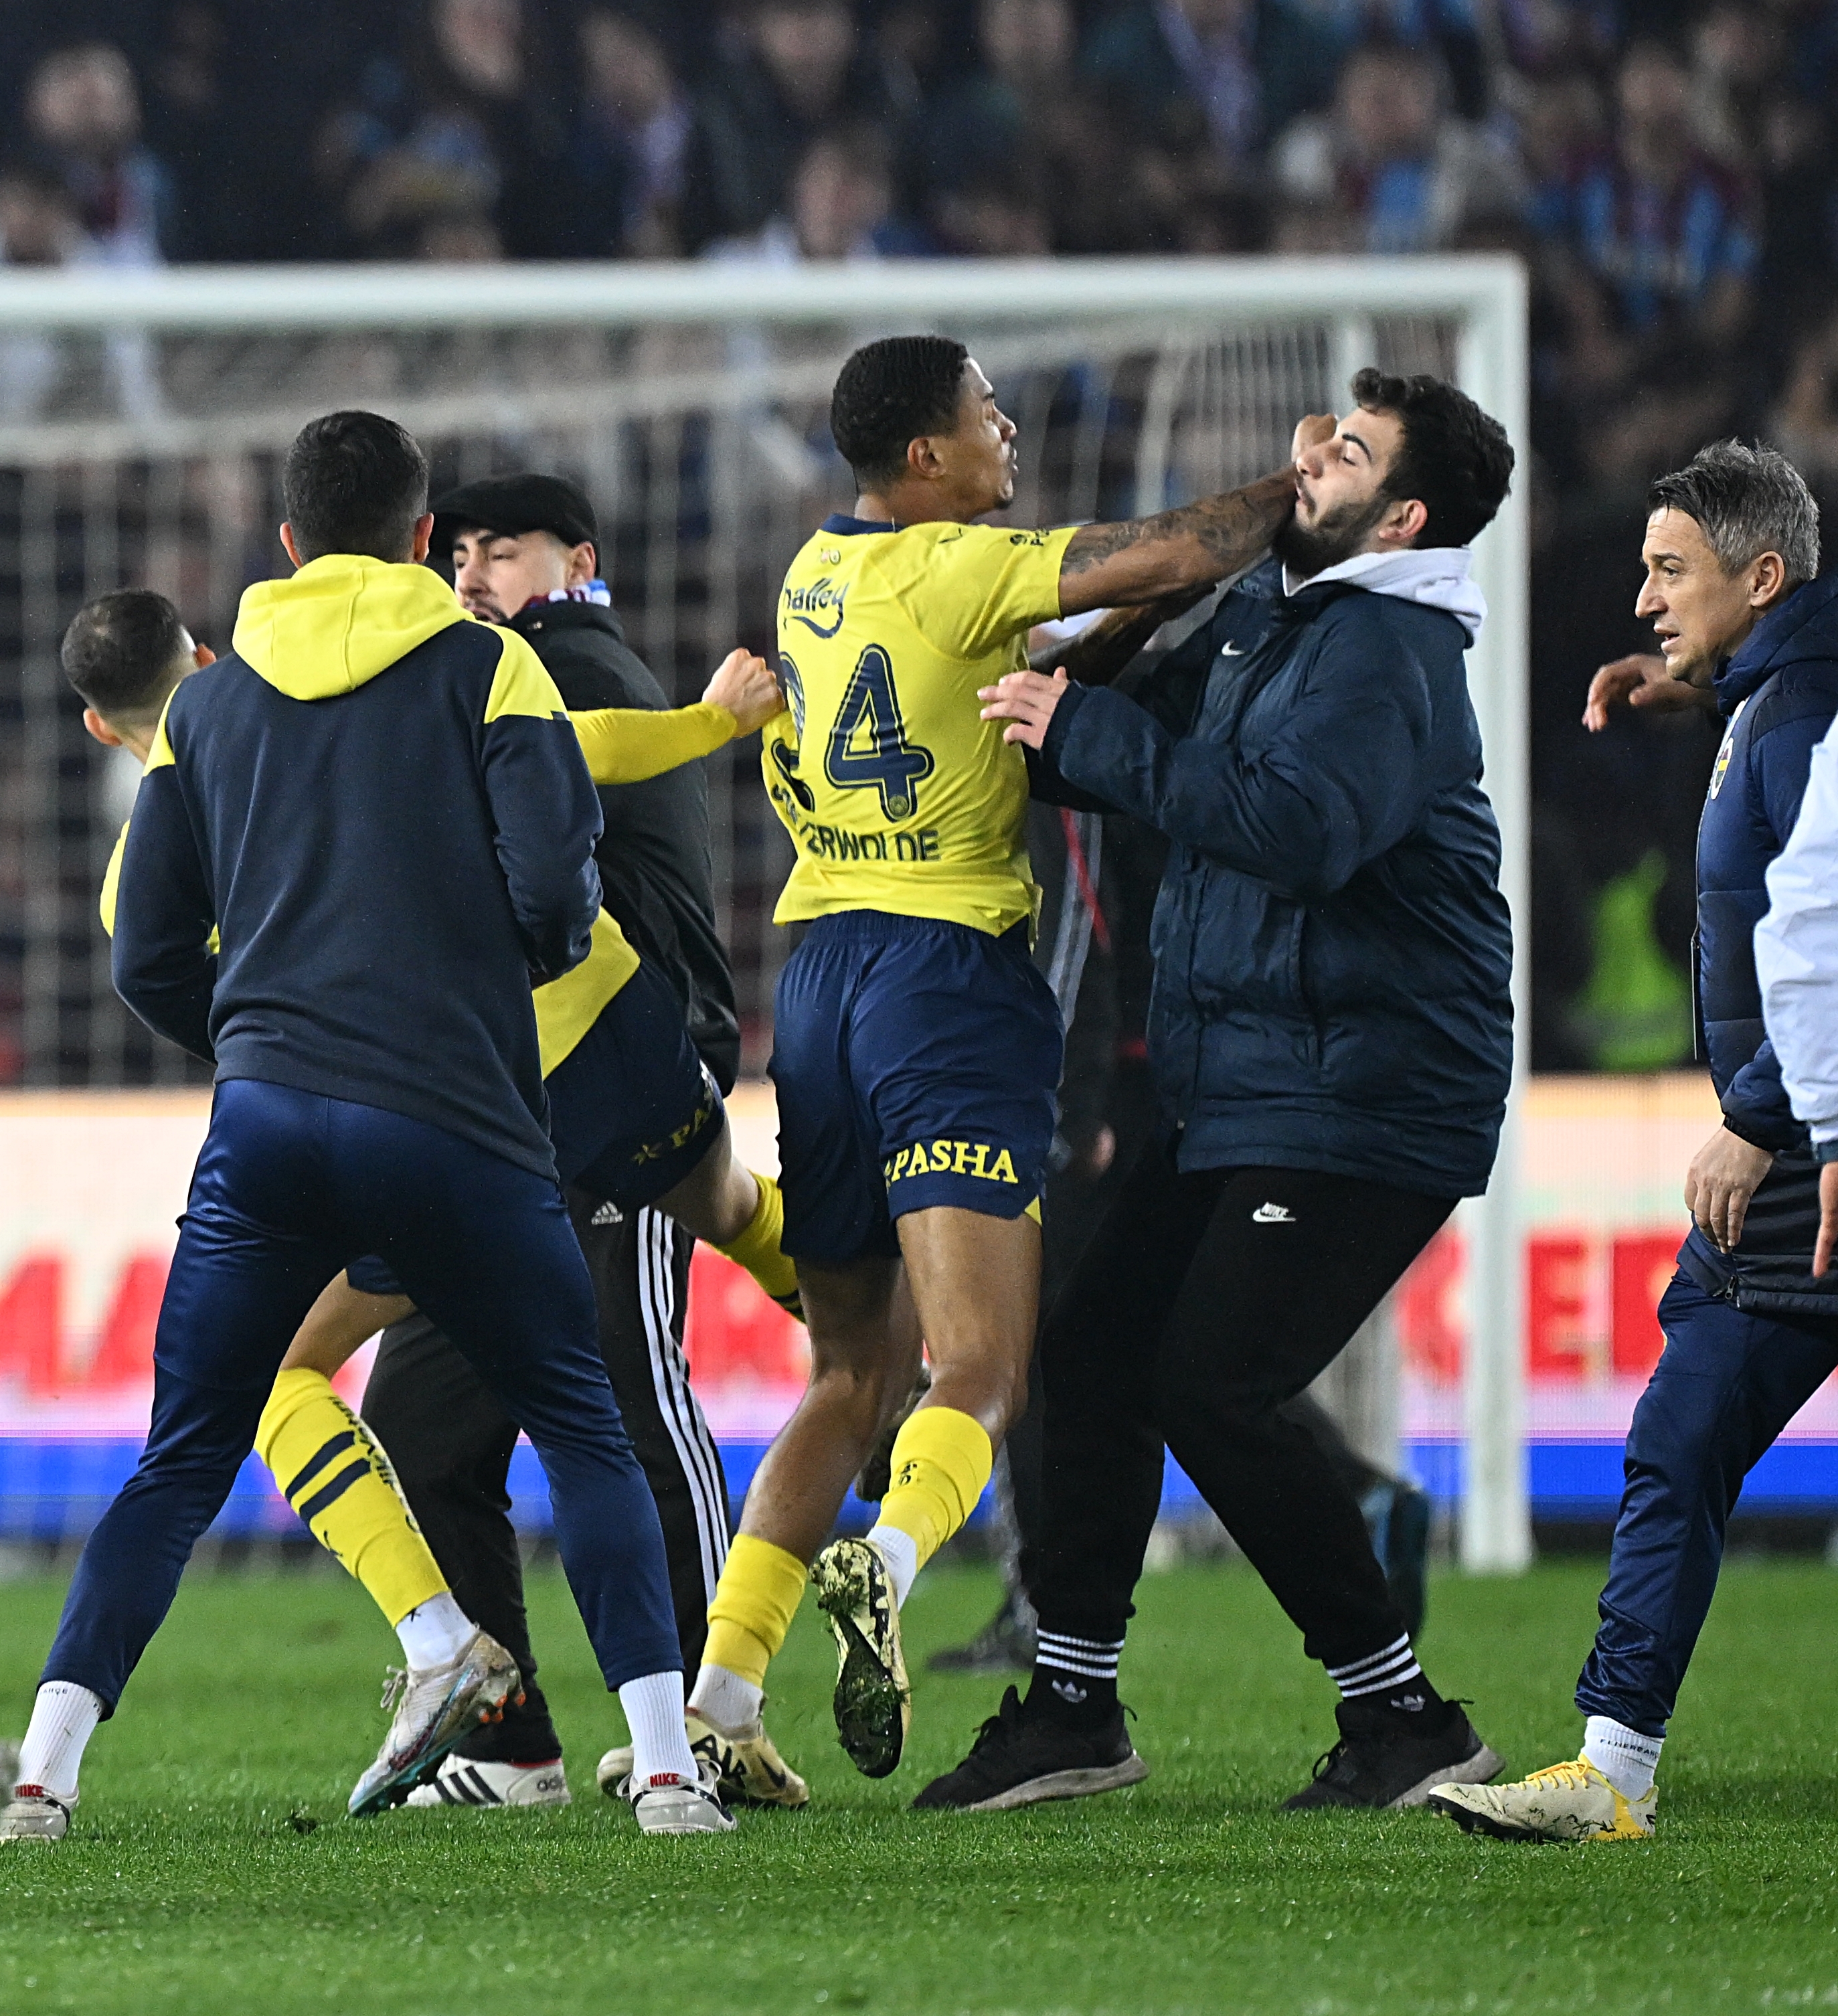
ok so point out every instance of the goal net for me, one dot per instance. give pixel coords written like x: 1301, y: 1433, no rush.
x: 143, y: 419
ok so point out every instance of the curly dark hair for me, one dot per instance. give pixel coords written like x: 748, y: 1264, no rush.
x: 1453, y: 458
x: 887, y: 395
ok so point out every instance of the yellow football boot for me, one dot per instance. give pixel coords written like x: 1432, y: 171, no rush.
x: 1567, y: 1802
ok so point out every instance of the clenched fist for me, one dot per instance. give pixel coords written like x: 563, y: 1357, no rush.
x: 747, y: 689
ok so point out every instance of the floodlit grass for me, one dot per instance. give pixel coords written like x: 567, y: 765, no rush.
x: 188, y: 1883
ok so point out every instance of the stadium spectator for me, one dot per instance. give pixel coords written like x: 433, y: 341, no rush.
x: 1655, y: 244
x: 457, y: 121
x: 1406, y: 174
x: 787, y: 71
x: 83, y: 115
x: 839, y: 205
x: 1020, y: 152
x: 1222, y: 75
x: 626, y: 142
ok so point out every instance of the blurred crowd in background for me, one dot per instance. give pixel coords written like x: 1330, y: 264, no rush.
x: 1665, y: 169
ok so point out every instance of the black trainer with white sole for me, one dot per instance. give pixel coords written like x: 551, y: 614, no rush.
x: 1018, y: 1763
x: 1389, y: 1757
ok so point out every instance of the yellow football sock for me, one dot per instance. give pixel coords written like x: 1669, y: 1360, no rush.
x: 754, y: 1602
x: 334, y: 1473
x: 941, y: 1461
x: 757, y: 1249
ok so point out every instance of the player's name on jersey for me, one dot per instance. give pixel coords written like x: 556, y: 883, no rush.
x: 836, y: 843
x: 960, y: 1158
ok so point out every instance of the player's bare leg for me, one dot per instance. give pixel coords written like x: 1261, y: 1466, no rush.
x: 738, y: 1212
x: 976, y: 1285
x: 864, y: 1356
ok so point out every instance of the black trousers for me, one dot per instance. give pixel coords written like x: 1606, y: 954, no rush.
x: 450, y: 1443
x: 1204, y: 1303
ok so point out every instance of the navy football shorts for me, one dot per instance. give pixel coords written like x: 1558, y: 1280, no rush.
x: 916, y: 1063
x: 632, y: 1108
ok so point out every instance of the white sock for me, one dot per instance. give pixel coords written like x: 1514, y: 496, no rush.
x: 63, y: 1718
x: 654, y: 1711
x: 1625, y: 1757
x: 726, y: 1702
x: 434, y: 1633
x: 902, y: 1551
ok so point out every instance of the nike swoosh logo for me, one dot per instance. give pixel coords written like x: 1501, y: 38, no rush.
x: 1231, y: 651
x: 1272, y: 1214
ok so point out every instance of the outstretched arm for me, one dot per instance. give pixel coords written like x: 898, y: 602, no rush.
x: 1096, y: 655
x: 625, y: 745
x: 1174, y: 552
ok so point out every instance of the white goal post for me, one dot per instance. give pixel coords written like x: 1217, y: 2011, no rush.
x: 141, y: 416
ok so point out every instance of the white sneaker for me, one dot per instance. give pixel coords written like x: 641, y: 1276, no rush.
x: 34, y: 1814
x: 680, y: 1808
x: 435, y: 1706
x: 749, y: 1770
x: 463, y: 1781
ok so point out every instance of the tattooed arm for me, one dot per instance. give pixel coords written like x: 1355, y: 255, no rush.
x: 1096, y: 655
x: 1175, y: 552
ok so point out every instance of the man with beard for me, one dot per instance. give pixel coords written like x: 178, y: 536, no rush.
x: 1331, y: 1033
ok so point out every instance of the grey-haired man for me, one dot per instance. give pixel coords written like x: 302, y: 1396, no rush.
x: 1731, y: 552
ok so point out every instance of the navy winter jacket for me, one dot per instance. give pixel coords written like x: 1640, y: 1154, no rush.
x: 1779, y: 692
x: 1332, y: 955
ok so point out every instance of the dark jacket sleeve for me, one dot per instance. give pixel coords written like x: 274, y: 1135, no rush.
x: 1169, y: 686
x: 1755, y: 1101
x: 164, y: 916
x: 547, y: 816
x: 1340, y: 782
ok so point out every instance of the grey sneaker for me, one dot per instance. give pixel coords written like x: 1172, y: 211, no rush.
x: 434, y: 1708
x: 678, y: 1808
x: 34, y: 1814
x: 873, y: 1703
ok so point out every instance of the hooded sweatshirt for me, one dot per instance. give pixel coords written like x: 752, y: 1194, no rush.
x: 380, y: 804
x: 1332, y: 954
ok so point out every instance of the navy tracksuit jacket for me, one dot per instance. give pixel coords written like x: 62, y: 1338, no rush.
x: 1750, y: 1336
x: 382, y: 808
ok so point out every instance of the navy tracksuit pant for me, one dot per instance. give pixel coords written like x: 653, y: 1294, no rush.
x: 1726, y: 1385
x: 289, y: 1187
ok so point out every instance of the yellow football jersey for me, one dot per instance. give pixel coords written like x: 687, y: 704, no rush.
x: 897, y: 794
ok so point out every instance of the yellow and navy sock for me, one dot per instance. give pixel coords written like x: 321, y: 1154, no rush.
x: 940, y: 1462
x: 758, y: 1251
x: 755, y: 1600
x: 335, y: 1476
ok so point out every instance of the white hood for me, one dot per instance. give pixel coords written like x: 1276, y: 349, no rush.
x: 1436, y: 576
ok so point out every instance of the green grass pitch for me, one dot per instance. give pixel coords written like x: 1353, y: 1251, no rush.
x: 187, y: 1886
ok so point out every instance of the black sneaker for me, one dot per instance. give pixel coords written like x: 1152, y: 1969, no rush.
x: 1387, y: 1757
x: 1017, y: 1762
x: 1006, y: 1643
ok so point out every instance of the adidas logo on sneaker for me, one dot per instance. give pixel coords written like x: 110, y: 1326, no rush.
x: 1272, y: 1214
x: 608, y: 1213
x: 1068, y: 1690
